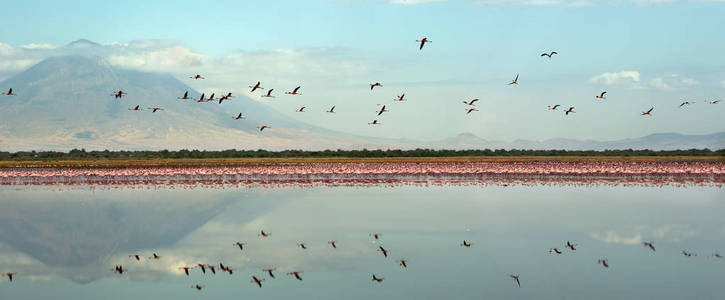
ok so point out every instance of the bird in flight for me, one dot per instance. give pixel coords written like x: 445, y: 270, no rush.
x: 603, y: 262
x: 376, y: 235
x: 212, y: 269
x: 240, y: 245
x: 135, y: 256
x: 373, y: 85
x: 225, y: 97
x: 155, y: 257
x: 688, y: 254
x: 211, y: 98
x: 333, y: 244
x: 715, y: 101
x: 301, y: 109
x: 201, y: 98
x: 466, y: 244
x: 686, y: 103
x: 555, y: 250
x: 383, y: 251
x: 257, y: 281
x: 256, y: 86
x: 374, y: 122
x: 269, y: 271
x: 296, y: 274
x: 227, y: 269
x: 516, y: 278
x: 197, y: 76
x: 10, y: 93
x: 403, y: 263
x: 570, y: 110
x: 649, y: 112
x: 302, y: 245
x: 399, y: 98
x: 471, y: 102
x: 469, y: 110
x: 155, y: 109
x: 382, y: 110
x: 716, y: 255
x: 239, y: 117
x: 261, y: 128
x: 264, y: 234
x: 136, y: 108
x: 269, y: 94
x: 197, y: 287
x: 570, y: 246
x: 332, y: 110
x: 294, y: 92
x: 422, y: 42
x: 117, y: 94
x: 649, y: 245
x: 515, y: 81
x: 186, y: 269
x: 9, y: 276
x: 549, y: 54
x: 202, y: 267
x: 553, y: 107
x: 378, y: 279
x: 185, y: 97
x: 601, y: 96
x: 119, y: 270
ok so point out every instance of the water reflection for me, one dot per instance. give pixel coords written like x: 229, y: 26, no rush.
x: 50, y: 238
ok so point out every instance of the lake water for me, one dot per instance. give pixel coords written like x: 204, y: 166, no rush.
x: 64, y: 242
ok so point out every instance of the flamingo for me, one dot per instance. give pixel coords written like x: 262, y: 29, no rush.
x: 649, y: 245
x: 264, y: 234
x: 301, y: 109
x: 116, y: 94
x: 239, y: 117
x: 119, y: 270
x: 555, y: 250
x: 269, y: 94
x: 378, y: 279
x: 403, y: 263
x: 155, y: 109
x: 186, y: 269
x: 571, y: 246
x: 136, y: 108
x: 382, y: 110
x: 257, y: 281
x: 332, y: 110
x: 333, y: 244
x: 649, y: 112
x: 269, y: 271
x: 226, y: 269
x: 155, y: 257
x: 373, y: 85
x: 466, y: 244
x: 197, y: 287
x: 516, y: 278
x: 240, y: 245
x: 716, y: 255
x: 570, y: 110
x: 686, y: 103
x: 136, y: 256
x: 399, y: 98
x: 211, y: 98
x: 553, y: 107
x: 256, y: 86
x: 197, y: 76
x: 294, y: 92
x: 715, y: 101
x: 376, y: 235
x: 603, y: 262
x: 471, y: 102
x: 374, y: 122
x: 688, y: 254
x: 202, y: 267
x: 212, y: 269
x: 302, y: 245
x: 383, y: 251
x: 225, y: 97
x: 10, y: 93
x: 185, y: 96
x: 201, y: 98
x: 469, y: 110
x: 422, y: 42
x: 601, y: 96
x: 549, y: 54
x: 515, y: 81
x: 296, y: 274
x: 261, y: 128
x: 10, y: 276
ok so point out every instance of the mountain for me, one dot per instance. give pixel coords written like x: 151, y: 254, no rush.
x: 65, y: 102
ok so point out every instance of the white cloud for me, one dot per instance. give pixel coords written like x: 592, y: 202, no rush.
x: 674, y: 232
x: 611, y: 78
x: 165, y: 59
x: 613, y: 237
x: 722, y: 83
x: 672, y: 82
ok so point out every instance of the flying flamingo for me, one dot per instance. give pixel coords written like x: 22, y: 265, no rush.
x: 601, y: 96
x: 715, y: 101
x: 403, y: 263
x: 422, y: 42
x: 256, y: 86
x: 649, y: 112
x: 382, y: 110
x: 376, y: 235
x: 197, y: 287
x: 211, y: 98
x: 688, y: 254
x: 212, y: 269
x: 135, y: 256
x: 119, y: 270
x: 553, y: 107
x: 515, y: 81
x: 226, y: 269
x: 185, y: 97
x: 10, y: 275
x: 555, y: 250
x: 570, y: 246
x: 116, y: 94
x: 261, y: 128
x: 471, y: 103
x: 399, y: 98
x: 716, y: 255
x: 333, y: 244
x: 155, y: 109
x: 240, y: 245
x: 649, y: 245
x: 687, y: 103
x: 10, y: 93
x: 301, y: 109
x: 201, y: 98
x: 383, y: 251
x: 516, y: 278
x: 466, y: 244
x: 202, y: 267
x: 186, y: 269
x: 603, y: 262
x: 197, y: 76
x: 332, y: 110
x: 373, y: 85
x: 136, y: 108
x: 269, y: 271
x: 257, y: 281
x: 374, y: 122
x: 239, y: 117
x: 264, y: 234
x: 155, y: 257
x: 570, y: 110
x: 296, y: 274
x: 469, y: 110
x: 378, y: 279
x: 302, y: 245
x: 225, y: 97
x: 294, y: 92
x: 269, y: 94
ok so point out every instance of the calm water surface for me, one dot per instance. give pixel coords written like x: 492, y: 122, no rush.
x: 64, y: 242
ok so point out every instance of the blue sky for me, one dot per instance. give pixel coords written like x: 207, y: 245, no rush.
x: 643, y: 53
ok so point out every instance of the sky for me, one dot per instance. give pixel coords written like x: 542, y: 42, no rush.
x: 644, y: 53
